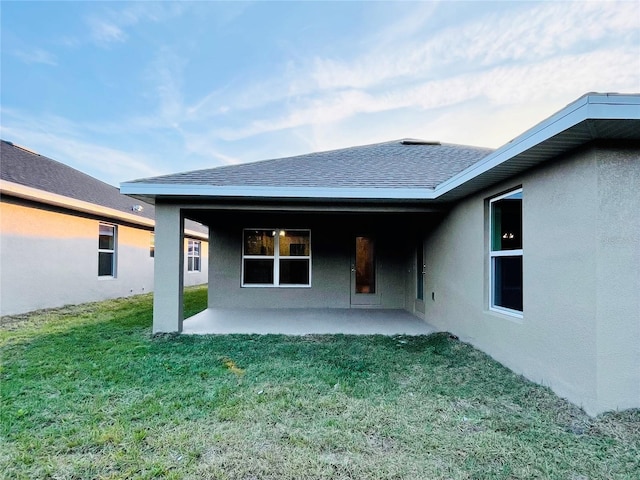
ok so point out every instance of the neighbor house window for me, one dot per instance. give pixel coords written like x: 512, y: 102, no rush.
x: 193, y: 256
x: 276, y: 258
x: 505, y: 218
x: 107, y: 250
x: 152, y: 245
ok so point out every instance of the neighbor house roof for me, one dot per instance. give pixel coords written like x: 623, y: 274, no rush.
x: 29, y: 175
x: 25, y: 167
x: 404, y: 170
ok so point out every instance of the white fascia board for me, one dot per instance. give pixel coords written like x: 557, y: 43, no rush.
x: 588, y: 107
x: 36, y: 195
x: 196, y: 235
x: 611, y: 98
x: 276, y: 192
x: 602, y: 111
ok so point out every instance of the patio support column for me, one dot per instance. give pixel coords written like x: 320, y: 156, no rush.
x: 168, y: 270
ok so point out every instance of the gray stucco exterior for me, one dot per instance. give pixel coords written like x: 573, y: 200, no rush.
x: 332, y: 248
x: 580, y: 327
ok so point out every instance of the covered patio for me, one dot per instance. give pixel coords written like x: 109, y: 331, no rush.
x: 305, y: 321
x: 328, y: 242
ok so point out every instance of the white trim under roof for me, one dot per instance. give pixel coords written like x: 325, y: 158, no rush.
x: 592, y: 106
x: 275, y: 192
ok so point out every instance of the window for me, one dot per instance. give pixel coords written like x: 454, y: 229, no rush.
x: 505, y: 217
x: 152, y: 245
x: 107, y: 250
x: 193, y: 256
x: 276, y: 257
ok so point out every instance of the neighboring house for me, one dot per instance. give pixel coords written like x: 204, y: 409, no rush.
x: 530, y: 252
x: 68, y: 238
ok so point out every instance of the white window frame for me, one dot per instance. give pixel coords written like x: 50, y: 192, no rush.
x: 113, y: 252
x: 493, y: 254
x: 276, y: 257
x: 191, y: 255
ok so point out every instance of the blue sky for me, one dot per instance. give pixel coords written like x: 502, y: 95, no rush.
x: 124, y: 90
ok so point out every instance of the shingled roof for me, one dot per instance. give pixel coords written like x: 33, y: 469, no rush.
x: 397, y: 164
x: 25, y: 167
x: 405, y: 169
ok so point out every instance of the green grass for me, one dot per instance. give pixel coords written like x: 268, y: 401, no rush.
x: 88, y: 392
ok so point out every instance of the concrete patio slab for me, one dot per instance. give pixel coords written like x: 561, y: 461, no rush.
x: 300, y: 321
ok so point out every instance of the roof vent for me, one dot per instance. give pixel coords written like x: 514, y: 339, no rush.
x: 414, y: 141
x: 137, y: 208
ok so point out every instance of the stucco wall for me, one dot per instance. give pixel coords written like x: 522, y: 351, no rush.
x: 618, y: 277
x: 332, y: 244
x: 572, y: 313
x: 49, y: 258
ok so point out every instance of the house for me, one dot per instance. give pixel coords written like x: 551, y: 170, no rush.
x: 530, y: 252
x: 68, y: 238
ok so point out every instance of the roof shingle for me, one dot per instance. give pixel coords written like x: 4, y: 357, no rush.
x: 19, y: 165
x: 395, y: 164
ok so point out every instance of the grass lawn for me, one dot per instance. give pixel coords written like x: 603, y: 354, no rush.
x: 88, y: 392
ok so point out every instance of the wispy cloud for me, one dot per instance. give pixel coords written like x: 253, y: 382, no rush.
x: 36, y: 55
x: 109, y: 163
x: 166, y: 72
x: 408, y: 57
x: 112, y: 24
x: 405, y: 27
x: 104, y: 32
x: 205, y: 147
x: 531, y: 35
x: 512, y: 84
x: 63, y: 140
